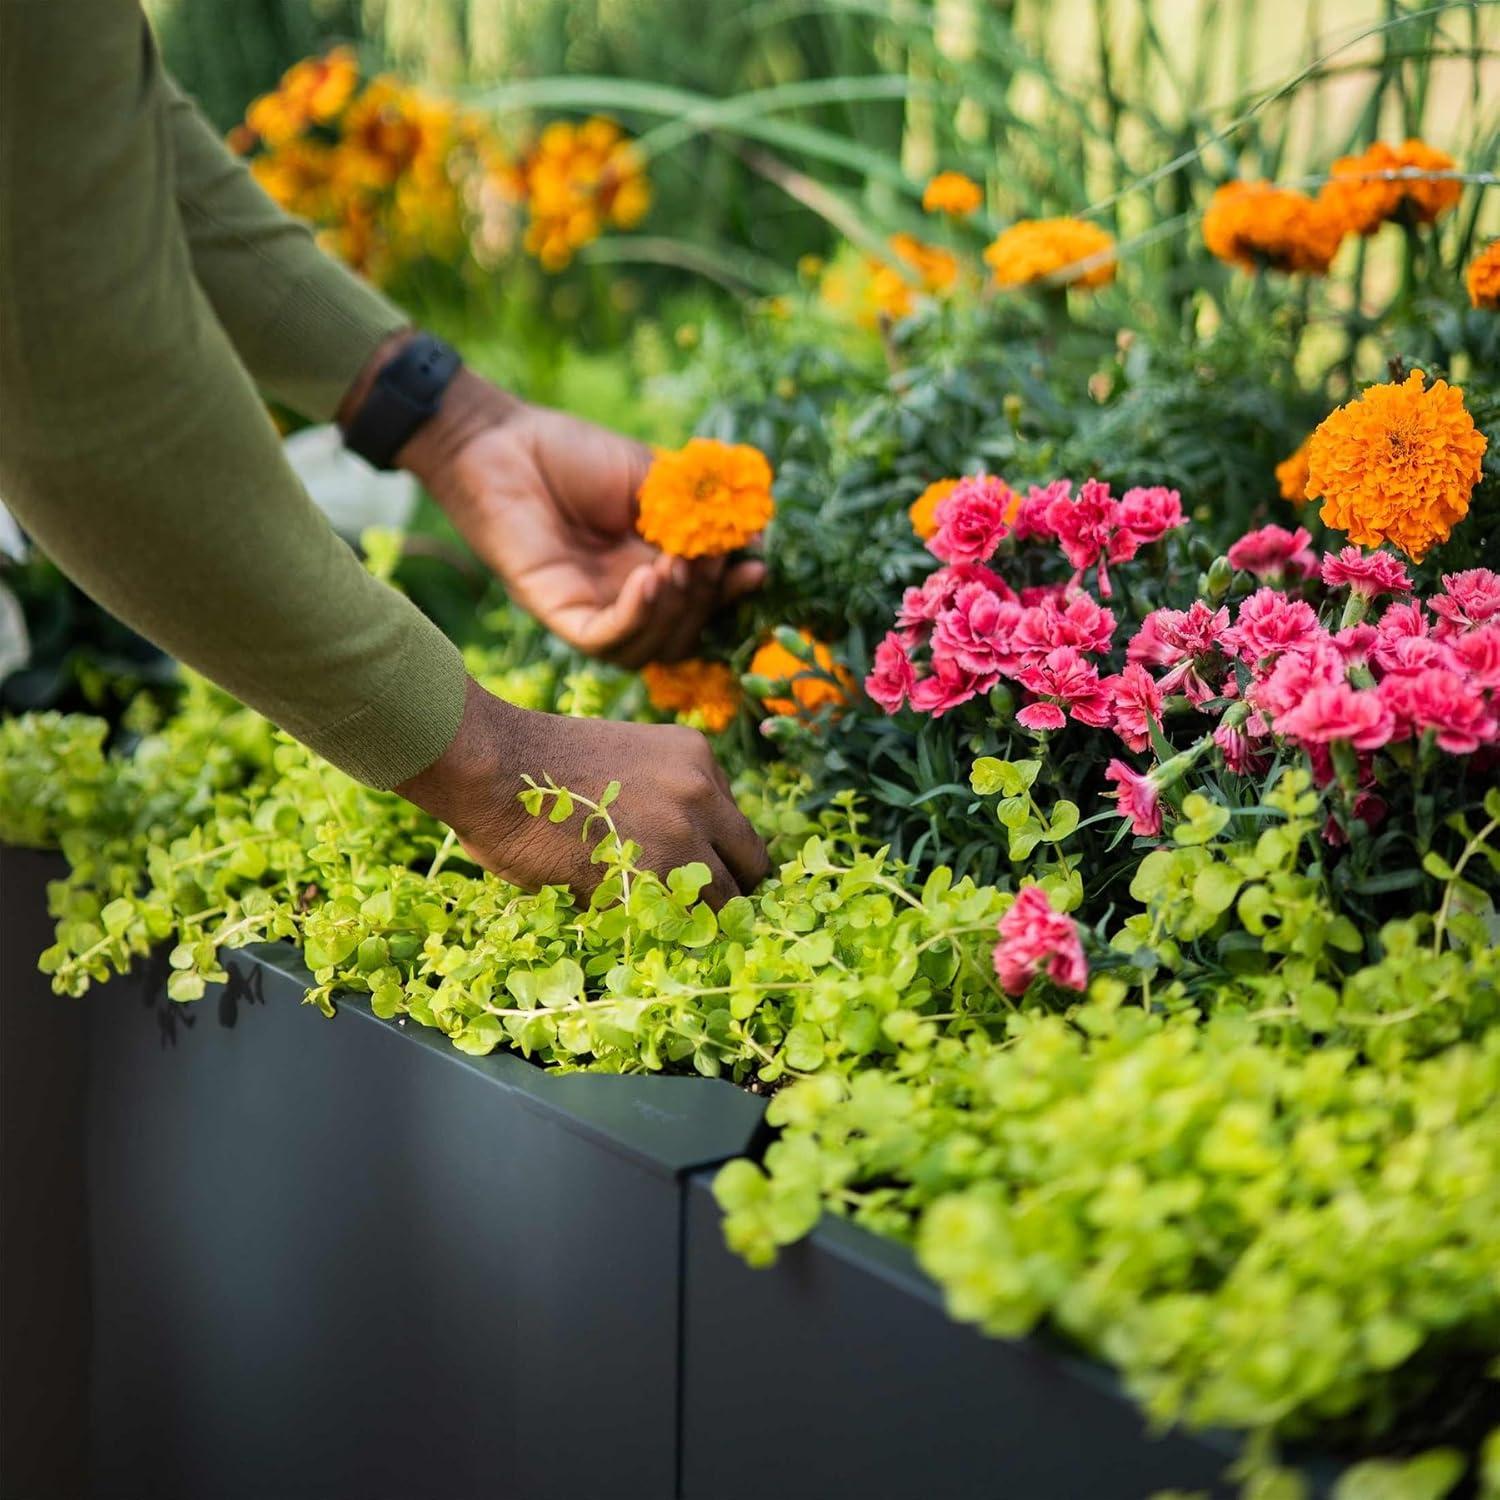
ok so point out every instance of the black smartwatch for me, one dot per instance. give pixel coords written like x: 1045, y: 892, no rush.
x: 407, y: 392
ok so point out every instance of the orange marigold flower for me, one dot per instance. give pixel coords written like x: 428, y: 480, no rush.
x: 821, y: 683
x: 704, y: 693
x: 892, y: 294
x: 952, y: 193
x: 1397, y: 465
x: 1483, y: 277
x: 1255, y: 224
x: 1291, y: 474
x: 923, y: 511
x: 1360, y: 197
x: 1034, y: 250
x: 705, y: 499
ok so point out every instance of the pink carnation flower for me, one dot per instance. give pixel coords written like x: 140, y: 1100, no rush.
x: 1150, y: 512
x: 1188, y: 642
x: 1036, y: 938
x: 1438, y: 699
x: 1337, y: 712
x: 1032, y: 516
x: 1269, y: 623
x: 1063, y: 680
x: 1079, y: 621
x: 948, y: 686
x: 972, y: 521
x: 1469, y: 599
x: 1355, y: 643
x: 1368, y: 574
x: 1477, y: 655
x: 920, y: 607
x: 1090, y: 528
x: 1136, y: 700
x: 1243, y: 751
x: 893, y: 678
x: 1137, y: 797
x: 1273, y: 553
x: 1404, y: 621
x: 1316, y: 664
x: 975, y: 631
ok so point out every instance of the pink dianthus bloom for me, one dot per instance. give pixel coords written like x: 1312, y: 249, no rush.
x: 893, y: 678
x: 973, y: 520
x: 1269, y: 623
x: 1136, y: 700
x: 1138, y: 798
x: 1336, y: 712
x: 1355, y: 643
x: 1188, y: 642
x: 1063, y: 680
x: 1316, y: 663
x: 1406, y: 620
x: 920, y: 607
x: 1149, y: 512
x: 947, y: 686
x: 1468, y: 599
x: 1031, y: 522
x: 975, y: 631
x: 1036, y: 938
x: 1438, y: 699
x: 1273, y: 553
x: 1079, y: 620
x: 1243, y: 752
x: 1477, y: 655
x: 1367, y: 574
x: 1090, y: 529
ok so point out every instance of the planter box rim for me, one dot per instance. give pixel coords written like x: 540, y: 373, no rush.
x: 668, y: 1124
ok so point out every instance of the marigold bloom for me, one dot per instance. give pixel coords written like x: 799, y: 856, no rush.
x: 1291, y: 474
x: 1368, y: 574
x: 705, y: 499
x: 894, y: 297
x: 1483, y: 277
x: 705, y: 693
x: 952, y: 193
x: 1255, y: 224
x: 1361, y: 197
x: 1033, y: 250
x: 819, y: 684
x: 1397, y: 465
x: 923, y: 510
x: 1036, y: 938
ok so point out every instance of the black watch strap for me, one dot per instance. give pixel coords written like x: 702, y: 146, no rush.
x: 406, y: 393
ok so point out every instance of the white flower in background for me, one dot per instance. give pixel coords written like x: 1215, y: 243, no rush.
x: 12, y: 542
x: 346, y: 489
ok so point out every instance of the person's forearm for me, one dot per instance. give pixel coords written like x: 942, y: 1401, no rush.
x: 304, y: 325
x: 134, y: 446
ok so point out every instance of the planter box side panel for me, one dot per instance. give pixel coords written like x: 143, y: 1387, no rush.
x: 330, y: 1263
x: 840, y: 1366
x: 43, y: 1249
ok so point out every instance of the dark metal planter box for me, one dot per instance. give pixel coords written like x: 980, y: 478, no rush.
x: 340, y: 1259
x: 838, y: 1371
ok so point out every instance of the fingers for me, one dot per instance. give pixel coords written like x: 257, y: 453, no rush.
x: 743, y: 578
x: 740, y: 847
x: 721, y: 887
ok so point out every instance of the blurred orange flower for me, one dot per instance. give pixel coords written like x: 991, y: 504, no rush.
x: 1483, y: 277
x: 923, y: 511
x: 952, y: 193
x: 1257, y: 224
x: 1291, y: 474
x: 1034, y: 250
x: 1360, y: 198
x: 705, y: 694
x: 821, y: 683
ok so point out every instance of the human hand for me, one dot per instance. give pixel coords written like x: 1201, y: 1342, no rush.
x: 674, y: 798
x: 547, y: 501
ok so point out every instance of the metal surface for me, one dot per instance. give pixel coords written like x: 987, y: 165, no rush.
x: 340, y: 1259
x: 842, y: 1374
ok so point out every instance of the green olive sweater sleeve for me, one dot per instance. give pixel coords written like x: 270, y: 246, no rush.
x: 133, y: 443
x: 303, y: 324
